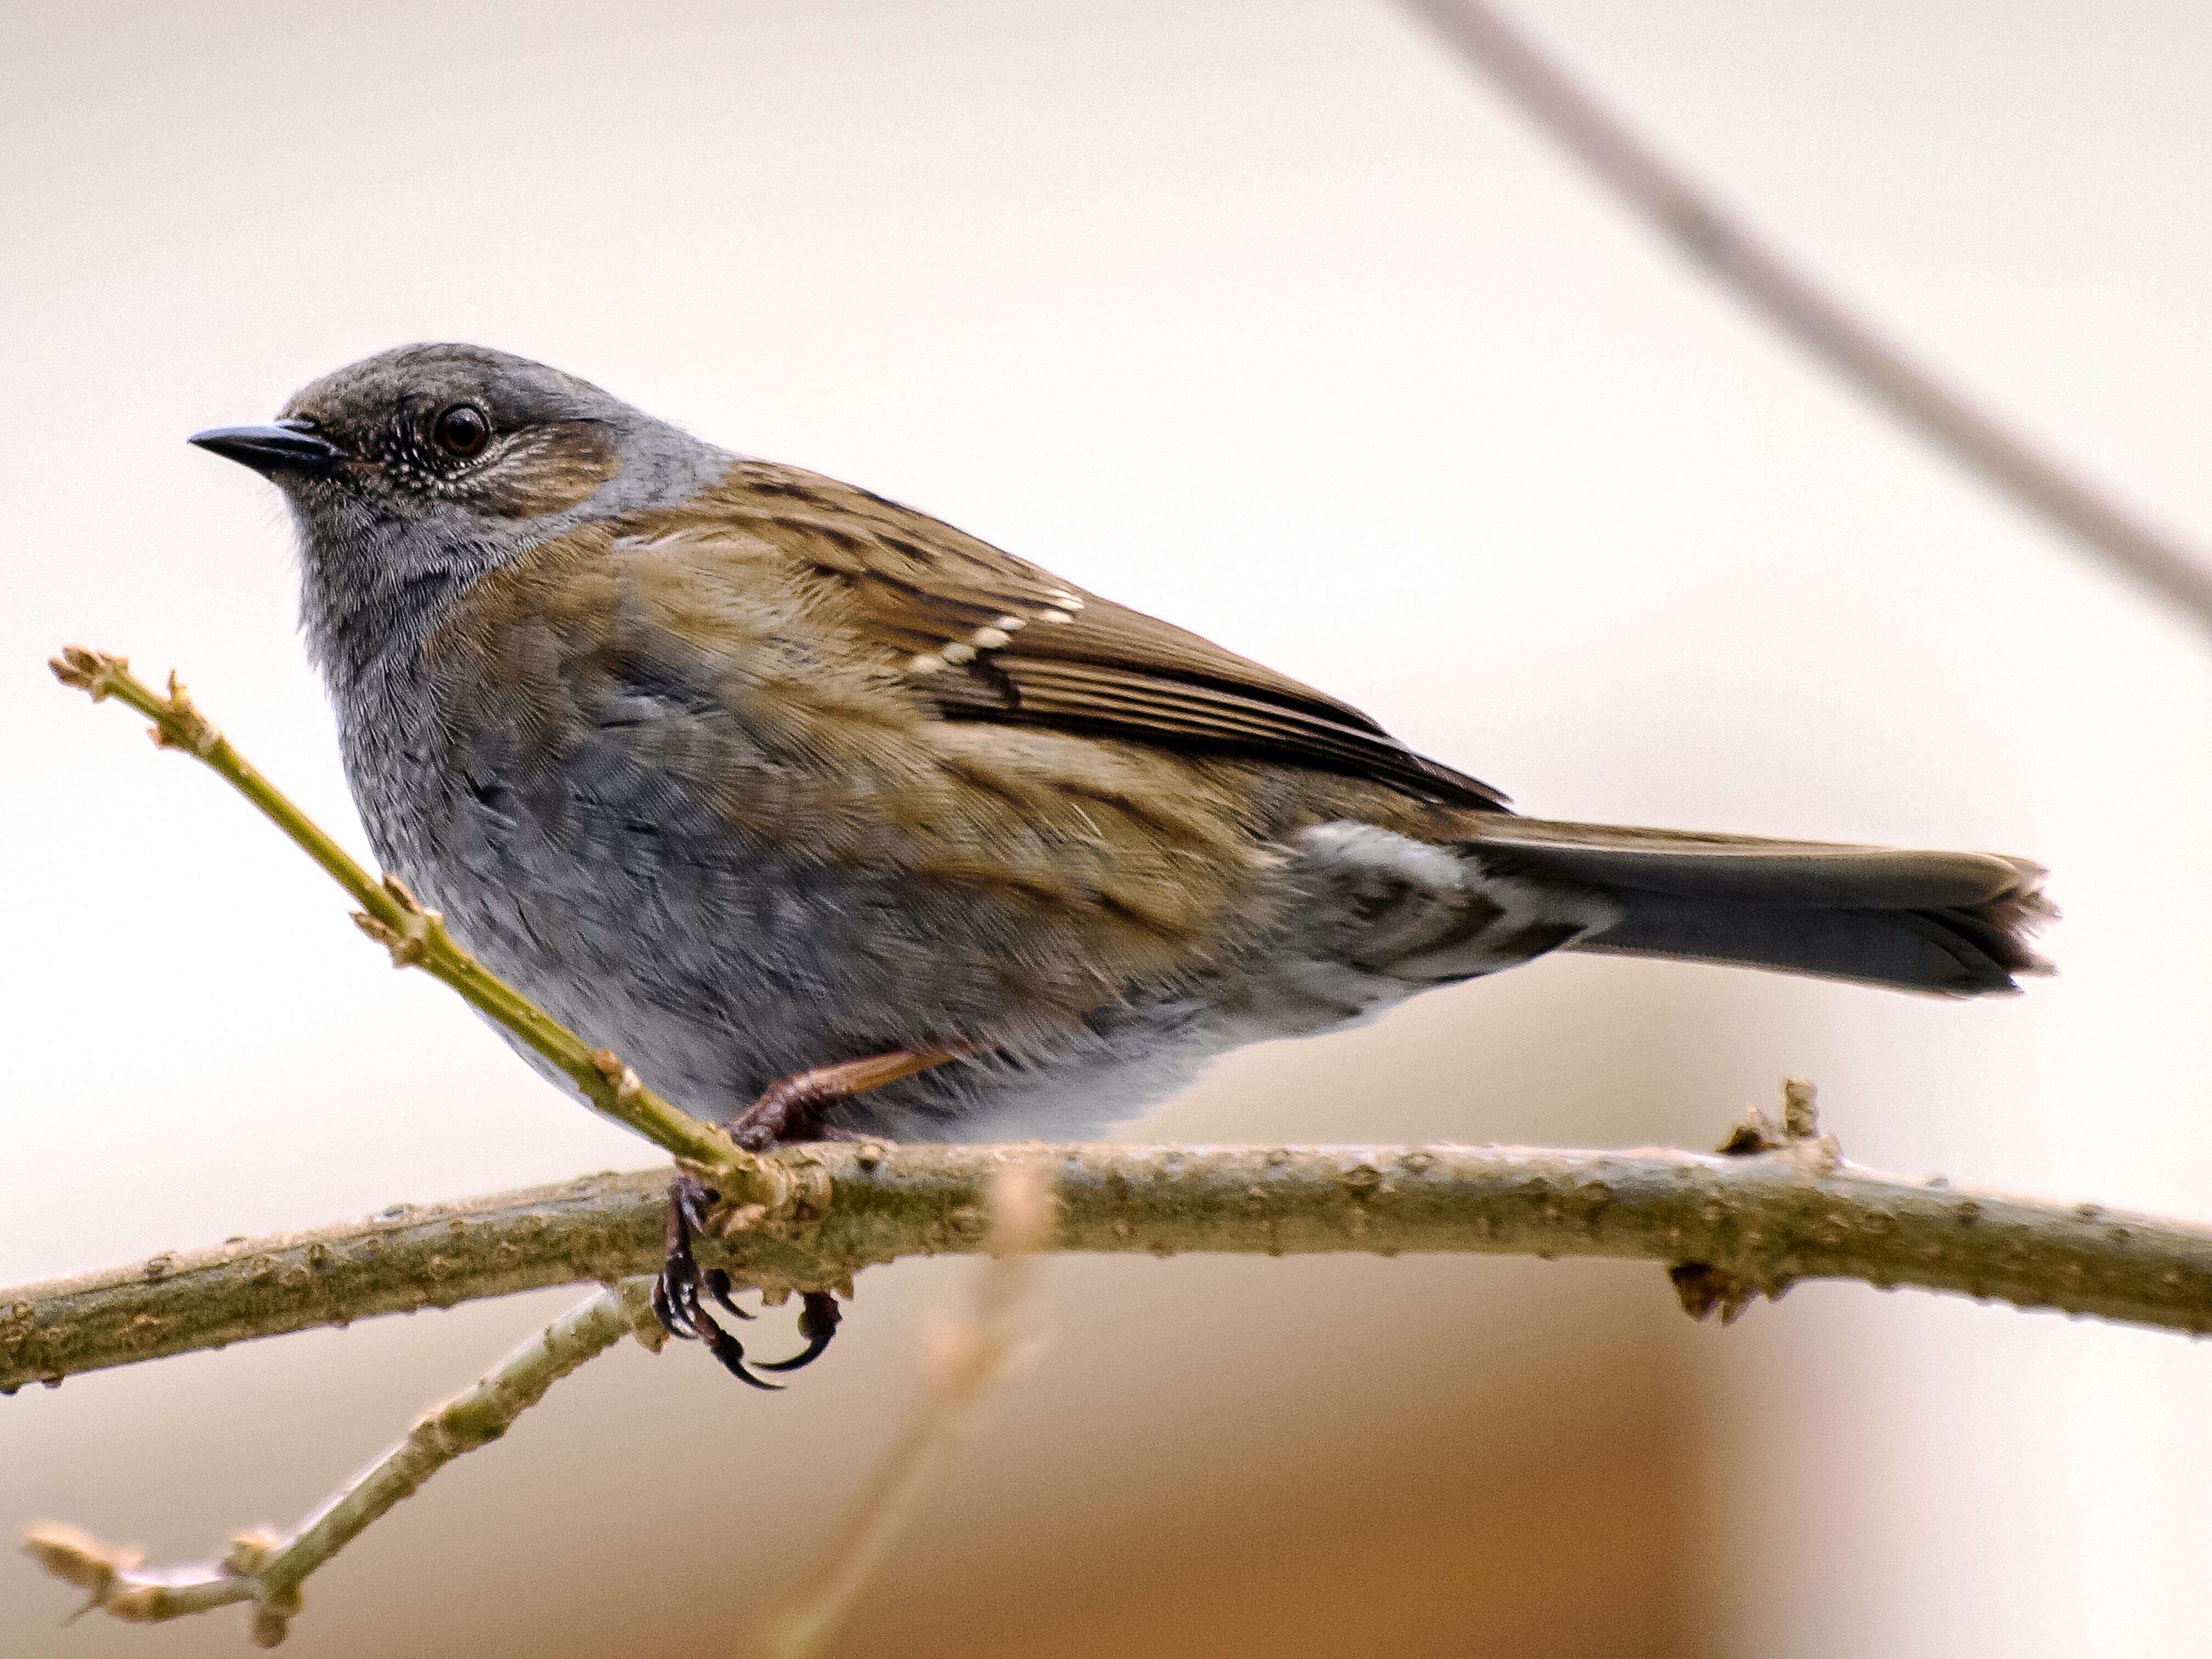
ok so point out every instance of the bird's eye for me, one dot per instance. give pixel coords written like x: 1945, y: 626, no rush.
x: 461, y: 429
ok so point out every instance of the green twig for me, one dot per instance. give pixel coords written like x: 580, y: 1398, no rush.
x: 417, y: 938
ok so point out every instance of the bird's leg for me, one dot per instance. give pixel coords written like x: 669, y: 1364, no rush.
x: 786, y: 1110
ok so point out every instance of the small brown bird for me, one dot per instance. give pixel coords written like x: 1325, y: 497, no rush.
x: 834, y: 820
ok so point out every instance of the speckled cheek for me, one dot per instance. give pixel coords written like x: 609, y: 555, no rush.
x: 559, y: 467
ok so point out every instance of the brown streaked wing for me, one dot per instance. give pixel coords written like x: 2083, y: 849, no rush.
x: 1072, y: 660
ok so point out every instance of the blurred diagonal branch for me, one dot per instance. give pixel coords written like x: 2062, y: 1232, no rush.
x: 1773, y: 1210
x: 1738, y: 259
x: 965, y: 1360
x: 266, y: 1568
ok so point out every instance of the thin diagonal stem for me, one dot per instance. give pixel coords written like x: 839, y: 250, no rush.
x: 266, y: 1569
x: 965, y: 1360
x: 417, y: 938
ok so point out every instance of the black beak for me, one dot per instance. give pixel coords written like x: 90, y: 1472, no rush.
x: 287, y: 446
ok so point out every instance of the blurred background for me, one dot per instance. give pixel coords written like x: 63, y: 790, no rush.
x: 1266, y: 318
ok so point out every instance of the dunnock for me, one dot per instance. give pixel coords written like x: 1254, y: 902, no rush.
x: 835, y: 820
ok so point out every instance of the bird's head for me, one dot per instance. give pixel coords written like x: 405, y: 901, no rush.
x: 423, y: 466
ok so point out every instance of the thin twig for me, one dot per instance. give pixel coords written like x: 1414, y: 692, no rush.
x: 1740, y: 261
x: 965, y: 1360
x: 267, y: 1569
x: 417, y: 938
x: 1773, y: 1210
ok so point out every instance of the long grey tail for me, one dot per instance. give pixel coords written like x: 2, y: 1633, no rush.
x: 1953, y: 923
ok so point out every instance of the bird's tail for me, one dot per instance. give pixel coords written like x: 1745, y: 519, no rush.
x: 1953, y: 923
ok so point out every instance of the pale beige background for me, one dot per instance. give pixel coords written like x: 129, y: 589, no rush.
x: 1263, y: 317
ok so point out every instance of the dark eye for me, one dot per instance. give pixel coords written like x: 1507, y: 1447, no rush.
x: 461, y: 429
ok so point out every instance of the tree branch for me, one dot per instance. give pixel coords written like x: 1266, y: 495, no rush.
x: 1774, y: 1208
x: 1736, y: 257
x: 1776, y: 1205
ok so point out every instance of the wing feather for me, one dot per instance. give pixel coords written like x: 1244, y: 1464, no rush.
x: 984, y: 636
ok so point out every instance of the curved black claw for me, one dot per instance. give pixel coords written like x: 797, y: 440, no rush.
x: 819, y: 1315
x: 718, y: 1286
x: 676, y: 1293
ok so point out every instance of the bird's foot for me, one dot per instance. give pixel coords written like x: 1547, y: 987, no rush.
x: 788, y: 1109
x: 676, y: 1295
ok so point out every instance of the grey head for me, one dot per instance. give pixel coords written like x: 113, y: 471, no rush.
x: 411, y: 473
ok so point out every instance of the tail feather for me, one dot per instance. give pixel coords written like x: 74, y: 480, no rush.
x: 1955, y: 923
